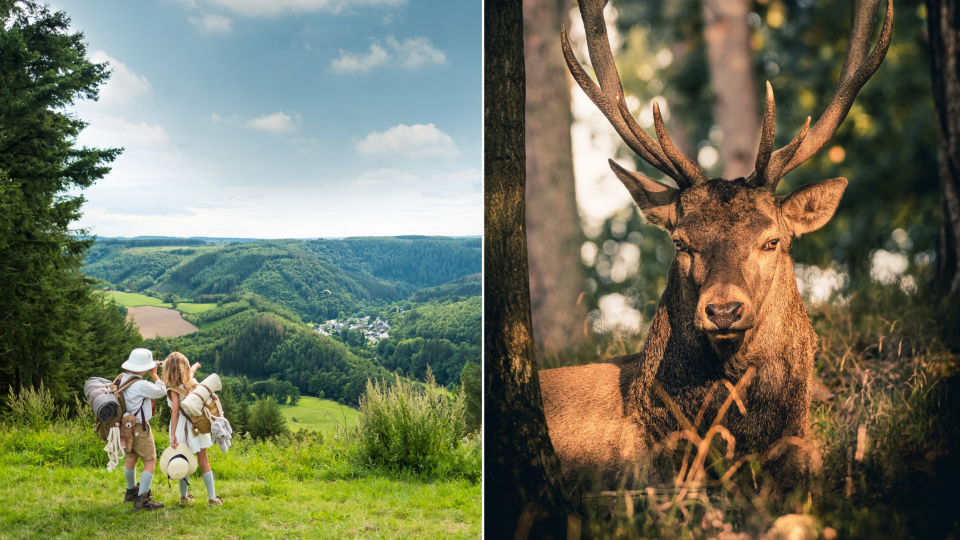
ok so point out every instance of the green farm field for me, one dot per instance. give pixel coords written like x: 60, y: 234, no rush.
x: 317, y: 414
x: 136, y: 300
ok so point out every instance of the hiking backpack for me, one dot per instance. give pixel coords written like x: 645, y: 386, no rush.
x: 201, y: 422
x: 102, y: 428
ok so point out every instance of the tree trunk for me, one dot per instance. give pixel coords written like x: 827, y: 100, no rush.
x: 731, y: 71
x: 522, y: 470
x: 944, y: 25
x: 553, y: 224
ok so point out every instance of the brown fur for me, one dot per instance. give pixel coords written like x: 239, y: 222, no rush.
x: 604, y: 415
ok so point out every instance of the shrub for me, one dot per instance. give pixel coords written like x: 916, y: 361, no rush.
x: 33, y: 408
x: 266, y: 420
x: 472, y: 392
x: 402, y: 428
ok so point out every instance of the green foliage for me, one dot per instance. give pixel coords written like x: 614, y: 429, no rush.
x: 266, y: 419
x: 32, y: 408
x: 50, y: 317
x: 472, y: 389
x: 416, y: 261
x: 279, y: 390
x: 401, y: 428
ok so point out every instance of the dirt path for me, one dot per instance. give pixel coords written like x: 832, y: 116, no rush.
x: 154, y: 321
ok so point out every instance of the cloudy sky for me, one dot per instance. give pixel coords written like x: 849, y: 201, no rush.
x: 285, y: 118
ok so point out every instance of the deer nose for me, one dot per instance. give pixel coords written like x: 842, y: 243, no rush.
x: 724, y: 315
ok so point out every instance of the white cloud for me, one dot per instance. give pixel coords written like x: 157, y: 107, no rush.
x: 411, y: 54
x: 124, y: 85
x: 105, y: 131
x: 352, y: 62
x: 276, y: 123
x: 418, y: 141
x: 213, y: 117
x: 415, y: 52
x: 273, y: 8
x: 212, y: 24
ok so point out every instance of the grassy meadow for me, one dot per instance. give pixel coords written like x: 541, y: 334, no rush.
x: 315, y: 414
x: 136, y: 300
x: 55, y: 485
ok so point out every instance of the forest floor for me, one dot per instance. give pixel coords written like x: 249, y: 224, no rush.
x: 884, y: 441
x: 157, y: 321
x: 54, y: 484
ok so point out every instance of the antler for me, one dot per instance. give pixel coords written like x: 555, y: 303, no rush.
x: 609, y: 98
x: 857, y: 69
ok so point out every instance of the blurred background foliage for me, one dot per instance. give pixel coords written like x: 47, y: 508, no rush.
x: 886, y: 147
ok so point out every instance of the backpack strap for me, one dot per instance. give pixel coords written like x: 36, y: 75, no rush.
x: 118, y: 392
x: 179, y: 391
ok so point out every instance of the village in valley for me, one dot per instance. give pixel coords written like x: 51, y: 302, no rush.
x: 374, y: 332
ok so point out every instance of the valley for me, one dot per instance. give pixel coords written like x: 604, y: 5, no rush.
x: 266, y: 309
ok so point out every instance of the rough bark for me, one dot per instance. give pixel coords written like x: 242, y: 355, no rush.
x: 731, y: 70
x: 944, y: 25
x: 553, y: 224
x: 522, y: 472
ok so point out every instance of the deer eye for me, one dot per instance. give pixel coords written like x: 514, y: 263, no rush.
x: 771, y: 245
x: 681, y: 247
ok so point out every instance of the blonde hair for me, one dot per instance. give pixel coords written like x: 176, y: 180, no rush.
x: 176, y: 372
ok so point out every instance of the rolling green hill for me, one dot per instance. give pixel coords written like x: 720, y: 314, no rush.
x: 259, y: 303
x: 316, y: 279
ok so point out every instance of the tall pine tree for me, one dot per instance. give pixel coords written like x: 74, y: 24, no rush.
x: 52, y: 328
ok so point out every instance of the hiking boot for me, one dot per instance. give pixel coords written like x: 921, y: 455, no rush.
x: 215, y: 502
x: 131, y: 494
x: 146, y: 502
x: 186, y: 500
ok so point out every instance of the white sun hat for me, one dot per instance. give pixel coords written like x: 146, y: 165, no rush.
x: 140, y: 360
x: 177, y: 463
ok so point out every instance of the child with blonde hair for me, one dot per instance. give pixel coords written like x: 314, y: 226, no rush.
x: 177, y: 372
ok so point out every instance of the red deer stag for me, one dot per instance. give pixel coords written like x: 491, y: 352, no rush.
x: 731, y: 310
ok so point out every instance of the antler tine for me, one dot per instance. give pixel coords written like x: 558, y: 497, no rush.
x: 680, y: 161
x: 774, y: 171
x: 759, y: 175
x: 610, y: 91
x: 654, y: 148
x: 856, y: 71
x: 599, y: 96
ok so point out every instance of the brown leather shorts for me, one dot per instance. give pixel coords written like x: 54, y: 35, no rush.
x: 144, y: 446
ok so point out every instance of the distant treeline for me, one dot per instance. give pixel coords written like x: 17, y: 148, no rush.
x: 151, y: 242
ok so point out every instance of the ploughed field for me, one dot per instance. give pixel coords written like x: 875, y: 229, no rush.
x: 157, y: 321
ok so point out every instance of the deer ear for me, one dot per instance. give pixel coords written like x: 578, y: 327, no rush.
x: 657, y: 202
x: 811, y: 206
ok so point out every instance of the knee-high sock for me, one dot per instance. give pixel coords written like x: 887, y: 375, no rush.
x: 183, y: 487
x: 130, y: 475
x: 208, y: 481
x: 146, y: 478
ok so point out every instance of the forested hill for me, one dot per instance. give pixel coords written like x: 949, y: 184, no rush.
x: 316, y: 279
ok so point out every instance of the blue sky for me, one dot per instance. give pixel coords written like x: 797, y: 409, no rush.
x: 285, y: 118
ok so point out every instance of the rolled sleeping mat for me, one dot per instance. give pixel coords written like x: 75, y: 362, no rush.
x: 193, y: 403
x: 101, y: 399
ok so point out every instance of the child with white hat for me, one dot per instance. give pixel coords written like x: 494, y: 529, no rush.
x: 138, y: 398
